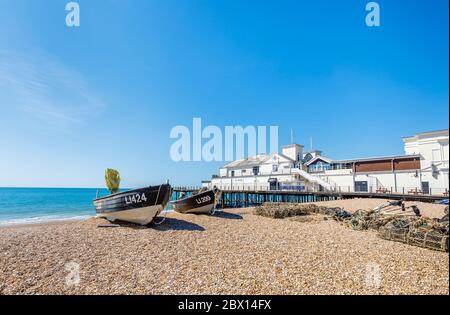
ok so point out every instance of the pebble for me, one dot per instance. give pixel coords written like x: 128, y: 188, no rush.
x: 233, y: 252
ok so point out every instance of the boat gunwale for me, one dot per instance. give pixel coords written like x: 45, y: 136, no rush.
x: 191, y: 196
x: 131, y: 191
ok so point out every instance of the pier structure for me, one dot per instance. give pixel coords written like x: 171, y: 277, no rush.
x: 247, y: 198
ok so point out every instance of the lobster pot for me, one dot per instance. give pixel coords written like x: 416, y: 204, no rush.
x: 428, y: 238
x: 284, y: 210
x: 358, y: 224
x: 392, y: 233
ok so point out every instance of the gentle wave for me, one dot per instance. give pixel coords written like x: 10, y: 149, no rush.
x: 19, y: 206
x: 47, y: 219
x: 43, y: 219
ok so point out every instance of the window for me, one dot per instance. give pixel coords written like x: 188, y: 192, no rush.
x: 256, y: 170
x: 307, y: 158
x: 361, y: 186
x: 425, y: 187
x: 232, y: 173
x: 275, y: 168
x: 319, y: 167
x: 436, y: 155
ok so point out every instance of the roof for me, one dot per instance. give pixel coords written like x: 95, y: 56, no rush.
x: 255, y: 160
x: 251, y: 161
x: 292, y: 145
x: 312, y: 151
x: 442, y: 132
x: 379, y: 158
x: 286, y: 157
x: 319, y: 157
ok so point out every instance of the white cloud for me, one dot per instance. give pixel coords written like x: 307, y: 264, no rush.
x: 45, y: 90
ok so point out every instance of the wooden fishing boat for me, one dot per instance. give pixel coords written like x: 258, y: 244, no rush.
x: 200, y: 203
x: 138, y: 206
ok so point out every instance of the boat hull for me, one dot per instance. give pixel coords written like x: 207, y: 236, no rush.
x: 142, y: 216
x: 139, y: 206
x: 201, y: 203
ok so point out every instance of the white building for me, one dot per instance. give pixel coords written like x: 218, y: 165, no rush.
x: 423, y: 169
x: 276, y: 171
x: 262, y: 172
x: 433, y: 148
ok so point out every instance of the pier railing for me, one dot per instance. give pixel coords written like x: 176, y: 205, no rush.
x: 186, y: 188
x: 251, y: 195
x: 444, y: 192
x: 413, y: 191
x: 395, y: 190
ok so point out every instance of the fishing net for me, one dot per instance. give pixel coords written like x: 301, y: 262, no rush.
x: 358, y: 224
x: 112, y: 179
x: 282, y: 210
x: 279, y: 210
x: 444, y: 220
x: 360, y: 220
x: 339, y: 214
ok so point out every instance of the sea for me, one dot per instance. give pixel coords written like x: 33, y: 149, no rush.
x: 37, y: 205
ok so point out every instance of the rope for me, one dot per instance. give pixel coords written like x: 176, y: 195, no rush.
x: 162, y: 220
x: 156, y: 202
x: 216, y: 199
x: 157, y: 196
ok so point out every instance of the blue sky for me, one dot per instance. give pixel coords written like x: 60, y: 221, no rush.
x: 74, y: 101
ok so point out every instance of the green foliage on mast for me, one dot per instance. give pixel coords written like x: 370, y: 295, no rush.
x: 112, y: 179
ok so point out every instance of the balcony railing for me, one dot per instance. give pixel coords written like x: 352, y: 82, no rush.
x: 330, y: 167
x: 444, y: 192
x: 319, y: 169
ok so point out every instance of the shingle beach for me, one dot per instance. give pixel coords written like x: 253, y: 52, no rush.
x: 233, y: 252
